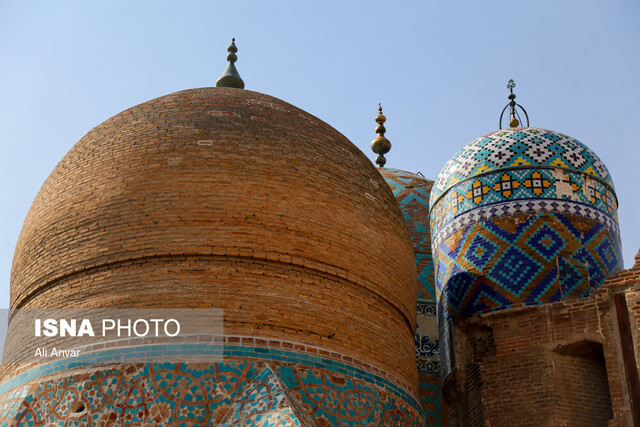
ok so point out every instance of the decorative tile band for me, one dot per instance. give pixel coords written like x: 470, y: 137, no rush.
x: 426, y: 309
x: 237, y: 391
x: 526, y: 206
x: 427, y: 342
x: 523, y: 184
x: 118, y: 355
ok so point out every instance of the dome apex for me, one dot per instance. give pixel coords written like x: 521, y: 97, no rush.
x: 522, y: 147
x: 514, y: 116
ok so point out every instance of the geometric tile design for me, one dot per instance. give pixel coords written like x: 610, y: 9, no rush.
x: 520, y: 147
x: 481, y: 250
x: 546, y: 242
x: 514, y: 270
x: 517, y: 207
x: 412, y: 193
x: 522, y: 185
x: 265, y: 401
x: 573, y: 278
x: 240, y: 390
x: 528, y: 259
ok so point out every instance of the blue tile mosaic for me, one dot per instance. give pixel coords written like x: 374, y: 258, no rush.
x: 238, y: 388
x: 540, y: 257
x: 520, y: 147
x: 412, y: 193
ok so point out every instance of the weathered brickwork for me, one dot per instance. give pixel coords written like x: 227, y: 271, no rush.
x: 294, y: 303
x: 581, y: 385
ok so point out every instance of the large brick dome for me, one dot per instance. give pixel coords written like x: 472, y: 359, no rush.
x: 221, y: 197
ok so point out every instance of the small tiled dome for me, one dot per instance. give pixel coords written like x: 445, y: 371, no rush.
x: 522, y: 216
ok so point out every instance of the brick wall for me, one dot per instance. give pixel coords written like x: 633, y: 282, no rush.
x: 581, y: 386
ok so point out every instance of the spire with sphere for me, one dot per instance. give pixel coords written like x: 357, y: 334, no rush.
x: 380, y: 145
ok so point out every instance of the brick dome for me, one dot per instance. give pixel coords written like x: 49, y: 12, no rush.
x: 221, y: 197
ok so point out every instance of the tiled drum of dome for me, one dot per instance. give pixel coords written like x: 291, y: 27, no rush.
x: 235, y: 392
x: 522, y: 216
x: 412, y: 193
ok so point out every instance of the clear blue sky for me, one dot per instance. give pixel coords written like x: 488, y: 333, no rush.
x: 439, y: 68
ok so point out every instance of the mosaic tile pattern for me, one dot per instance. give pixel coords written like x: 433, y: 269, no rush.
x: 517, y: 207
x: 431, y: 399
x: 412, y: 193
x: 241, y: 388
x: 523, y: 185
x: 523, y: 259
x: 521, y: 216
x: 427, y: 353
x: 520, y: 147
x: 265, y: 401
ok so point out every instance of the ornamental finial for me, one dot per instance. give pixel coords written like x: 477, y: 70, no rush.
x: 380, y: 145
x: 231, y: 77
x: 514, y: 120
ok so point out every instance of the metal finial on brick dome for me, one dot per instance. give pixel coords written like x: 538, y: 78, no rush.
x: 231, y: 77
x: 380, y: 145
x: 514, y: 121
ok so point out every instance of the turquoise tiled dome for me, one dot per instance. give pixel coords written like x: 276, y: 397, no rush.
x: 522, y: 216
